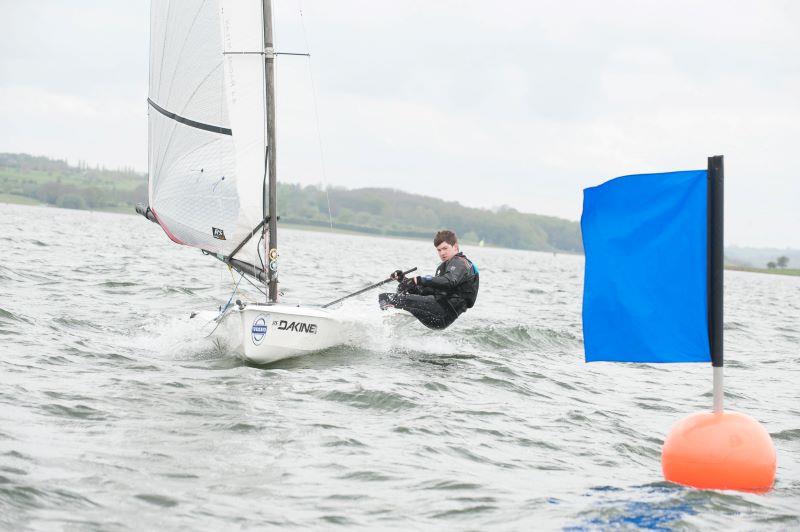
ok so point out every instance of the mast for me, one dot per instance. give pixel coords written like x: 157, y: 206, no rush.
x: 270, y: 191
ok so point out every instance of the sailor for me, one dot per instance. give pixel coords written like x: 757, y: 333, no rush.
x: 437, y: 300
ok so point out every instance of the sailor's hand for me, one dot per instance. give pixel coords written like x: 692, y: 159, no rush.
x: 397, y: 275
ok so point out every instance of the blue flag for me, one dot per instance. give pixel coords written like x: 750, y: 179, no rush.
x: 644, y: 291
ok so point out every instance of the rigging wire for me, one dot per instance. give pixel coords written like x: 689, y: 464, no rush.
x: 261, y: 261
x: 258, y: 250
x: 254, y: 285
x: 233, y: 293
x: 224, y: 309
x: 316, y: 113
x: 236, y: 284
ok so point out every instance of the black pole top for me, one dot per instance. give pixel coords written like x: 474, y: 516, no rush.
x: 715, y: 256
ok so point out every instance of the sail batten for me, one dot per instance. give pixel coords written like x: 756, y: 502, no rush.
x: 189, y: 121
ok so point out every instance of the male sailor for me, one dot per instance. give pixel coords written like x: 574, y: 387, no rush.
x: 437, y: 300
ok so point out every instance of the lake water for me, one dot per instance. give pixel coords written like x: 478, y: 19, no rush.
x: 116, y: 413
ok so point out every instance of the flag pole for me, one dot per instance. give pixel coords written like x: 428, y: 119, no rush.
x: 716, y: 257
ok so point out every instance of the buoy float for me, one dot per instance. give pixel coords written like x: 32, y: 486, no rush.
x: 719, y: 450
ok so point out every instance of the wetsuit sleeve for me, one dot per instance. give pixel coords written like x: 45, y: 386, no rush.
x: 456, y: 272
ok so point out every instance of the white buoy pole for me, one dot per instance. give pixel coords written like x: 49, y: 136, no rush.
x: 718, y: 389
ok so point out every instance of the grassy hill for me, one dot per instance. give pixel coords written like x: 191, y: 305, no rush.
x: 392, y: 212
x: 26, y: 179
x: 29, y: 179
x: 774, y: 271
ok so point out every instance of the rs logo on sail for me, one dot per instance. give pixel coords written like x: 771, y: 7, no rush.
x: 298, y: 326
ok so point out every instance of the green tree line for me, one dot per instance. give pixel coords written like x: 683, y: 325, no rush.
x: 55, y: 182
x: 780, y: 262
x: 376, y: 211
x: 393, y: 212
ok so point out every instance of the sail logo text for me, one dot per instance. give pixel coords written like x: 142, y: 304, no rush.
x: 298, y: 326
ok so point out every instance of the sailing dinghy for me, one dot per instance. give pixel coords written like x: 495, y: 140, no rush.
x: 212, y: 172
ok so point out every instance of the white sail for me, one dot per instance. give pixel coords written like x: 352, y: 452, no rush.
x: 206, y: 121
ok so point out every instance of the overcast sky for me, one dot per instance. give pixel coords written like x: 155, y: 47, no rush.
x: 485, y: 103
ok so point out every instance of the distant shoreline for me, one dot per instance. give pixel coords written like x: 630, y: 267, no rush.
x: 24, y: 200
x: 774, y: 271
x: 12, y: 199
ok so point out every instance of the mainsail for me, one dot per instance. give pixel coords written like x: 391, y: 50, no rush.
x: 207, y: 123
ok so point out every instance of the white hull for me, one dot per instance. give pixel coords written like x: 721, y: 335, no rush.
x: 268, y: 333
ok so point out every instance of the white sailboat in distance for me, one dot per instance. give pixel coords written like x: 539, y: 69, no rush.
x: 212, y: 172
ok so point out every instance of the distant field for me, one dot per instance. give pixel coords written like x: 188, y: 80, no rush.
x: 35, y: 180
x: 88, y: 178
x: 776, y: 271
x: 19, y: 200
x: 22, y: 200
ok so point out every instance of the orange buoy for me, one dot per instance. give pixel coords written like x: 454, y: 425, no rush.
x: 719, y: 450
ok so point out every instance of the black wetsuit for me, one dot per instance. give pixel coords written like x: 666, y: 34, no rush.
x: 438, y: 300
